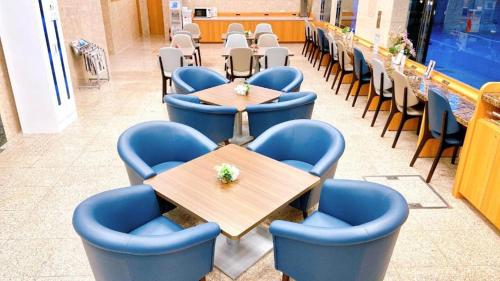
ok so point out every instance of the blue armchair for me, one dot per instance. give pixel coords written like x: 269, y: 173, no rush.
x: 153, y: 147
x: 290, y: 106
x: 215, y: 122
x: 126, y: 238
x: 192, y: 79
x: 351, y: 237
x: 309, y: 145
x: 284, y: 78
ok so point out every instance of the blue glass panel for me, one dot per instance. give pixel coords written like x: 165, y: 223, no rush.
x: 464, y: 40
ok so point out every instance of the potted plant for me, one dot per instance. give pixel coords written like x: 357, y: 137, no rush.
x: 401, y: 47
x: 227, y: 173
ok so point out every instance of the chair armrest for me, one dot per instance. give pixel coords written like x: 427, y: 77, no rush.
x: 318, y: 235
x: 174, y: 242
x: 330, y: 158
x: 187, y: 98
x: 133, y: 161
x: 184, y: 85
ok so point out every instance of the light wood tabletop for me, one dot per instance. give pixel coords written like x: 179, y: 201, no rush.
x: 259, y: 52
x: 264, y: 186
x: 225, y: 95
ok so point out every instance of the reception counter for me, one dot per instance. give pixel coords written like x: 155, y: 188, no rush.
x: 287, y: 26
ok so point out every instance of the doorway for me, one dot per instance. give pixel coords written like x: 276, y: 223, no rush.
x: 155, y: 17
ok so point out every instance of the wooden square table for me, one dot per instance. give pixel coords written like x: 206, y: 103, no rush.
x: 225, y: 95
x: 264, y: 186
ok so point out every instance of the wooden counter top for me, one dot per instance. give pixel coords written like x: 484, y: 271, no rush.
x: 492, y: 98
x: 250, y: 18
x: 462, y: 107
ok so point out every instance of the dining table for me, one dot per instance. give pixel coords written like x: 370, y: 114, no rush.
x: 264, y: 185
x: 225, y: 95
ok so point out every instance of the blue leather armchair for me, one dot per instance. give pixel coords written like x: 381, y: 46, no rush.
x: 192, y: 79
x: 350, y: 238
x: 283, y: 78
x: 126, y: 238
x: 153, y: 147
x: 215, y: 122
x: 290, y: 106
x: 309, y: 145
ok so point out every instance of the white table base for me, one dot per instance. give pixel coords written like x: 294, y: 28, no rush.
x: 238, y: 137
x: 234, y: 257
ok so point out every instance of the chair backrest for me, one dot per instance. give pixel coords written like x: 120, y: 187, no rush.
x: 268, y: 40
x: 344, y: 58
x: 284, y: 79
x: 322, y: 41
x: 437, y: 105
x: 333, y: 46
x: 218, y: 121
x: 259, y: 34
x: 400, y: 82
x: 276, y: 56
x: 194, y: 28
x: 191, y: 79
x: 361, y: 249
x: 235, y: 27
x: 292, y: 139
x: 241, y: 59
x: 379, y: 84
x: 360, y: 66
x: 151, y: 143
x: 308, y: 29
x: 236, y: 40
x: 290, y: 106
x: 170, y: 59
x: 105, y: 222
x: 182, y: 40
x: 263, y: 27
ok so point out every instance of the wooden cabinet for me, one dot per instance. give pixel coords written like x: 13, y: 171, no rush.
x: 478, y: 175
x: 287, y: 29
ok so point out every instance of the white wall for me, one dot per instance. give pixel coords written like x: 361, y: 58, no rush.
x: 394, y: 18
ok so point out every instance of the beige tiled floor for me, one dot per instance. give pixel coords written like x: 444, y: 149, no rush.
x: 43, y: 177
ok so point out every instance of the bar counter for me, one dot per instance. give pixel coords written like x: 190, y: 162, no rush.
x: 287, y: 26
x: 478, y: 176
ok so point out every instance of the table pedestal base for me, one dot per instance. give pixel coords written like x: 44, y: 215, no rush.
x: 238, y: 137
x: 234, y: 257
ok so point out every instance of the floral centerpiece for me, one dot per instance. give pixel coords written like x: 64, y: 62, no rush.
x: 401, y: 44
x: 346, y: 30
x: 242, y: 89
x: 227, y: 173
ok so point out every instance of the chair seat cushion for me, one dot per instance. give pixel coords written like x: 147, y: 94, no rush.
x: 319, y: 219
x: 162, y: 167
x: 299, y: 165
x: 158, y: 226
x: 415, y: 110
